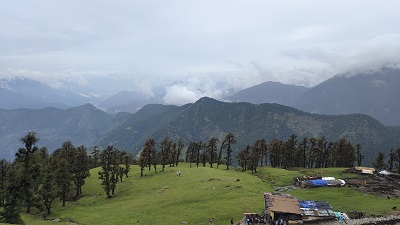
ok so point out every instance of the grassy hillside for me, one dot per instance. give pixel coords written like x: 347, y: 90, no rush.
x: 164, y: 198
x: 199, y: 194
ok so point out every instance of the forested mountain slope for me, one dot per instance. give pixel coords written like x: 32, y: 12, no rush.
x: 82, y: 125
x: 208, y: 118
x: 200, y: 121
x: 373, y: 93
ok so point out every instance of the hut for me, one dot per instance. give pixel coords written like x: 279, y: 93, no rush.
x: 279, y: 206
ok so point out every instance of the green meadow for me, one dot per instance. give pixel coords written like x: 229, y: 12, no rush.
x: 198, y: 194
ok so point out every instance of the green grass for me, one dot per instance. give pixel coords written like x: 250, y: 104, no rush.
x: 345, y: 199
x: 163, y: 198
x: 201, y: 193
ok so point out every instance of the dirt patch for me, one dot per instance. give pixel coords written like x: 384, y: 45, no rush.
x: 381, y: 185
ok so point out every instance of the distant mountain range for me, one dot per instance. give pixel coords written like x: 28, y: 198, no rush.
x: 270, y: 92
x: 206, y: 118
x: 27, y: 93
x: 375, y: 93
x: 372, y: 93
x: 82, y: 125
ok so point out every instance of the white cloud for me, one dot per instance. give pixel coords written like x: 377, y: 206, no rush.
x: 179, y: 95
x: 201, y: 47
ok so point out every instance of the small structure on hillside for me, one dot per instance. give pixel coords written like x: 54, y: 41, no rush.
x: 365, y: 170
x: 284, y: 207
x: 299, y: 180
x: 287, y: 209
x: 307, y: 182
x: 316, y: 210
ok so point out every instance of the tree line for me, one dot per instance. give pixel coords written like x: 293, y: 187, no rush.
x: 169, y: 152
x: 392, y: 164
x: 36, y: 178
x: 306, y: 153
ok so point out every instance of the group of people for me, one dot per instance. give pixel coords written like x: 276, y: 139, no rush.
x: 281, y: 221
x: 252, y: 219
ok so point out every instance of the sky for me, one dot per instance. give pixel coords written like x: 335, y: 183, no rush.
x: 194, y: 48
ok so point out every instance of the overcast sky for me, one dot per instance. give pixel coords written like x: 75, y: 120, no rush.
x: 195, y: 48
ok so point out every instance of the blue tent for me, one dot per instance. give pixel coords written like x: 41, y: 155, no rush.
x: 319, y: 183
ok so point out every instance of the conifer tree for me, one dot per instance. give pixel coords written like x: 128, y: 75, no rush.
x: 379, y: 162
x: 212, y: 150
x: 24, y: 159
x: 179, y: 151
x: 227, y: 144
x: 359, y: 155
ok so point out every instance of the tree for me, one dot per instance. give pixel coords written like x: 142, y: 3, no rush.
x: 172, y: 154
x: 212, y: 150
x: 29, y: 170
x: 48, y: 190
x: 96, y: 156
x: 255, y: 156
x: 304, y: 151
x: 219, y: 159
x: 165, y: 149
x: 359, y: 155
x: 115, y: 169
x: 127, y: 160
x: 227, y: 144
x: 198, y: 146
x: 392, y: 160
x: 275, y: 153
x: 379, y: 162
x: 107, y: 174
x: 179, y: 151
x: 264, y: 152
x: 191, y: 153
x: 63, y: 178
x: 289, y: 152
x: 319, y: 152
x: 398, y: 160
x: 149, y: 148
x: 243, y: 158
x: 312, y: 153
x: 13, y: 198
x: 80, y: 169
x: 204, y: 154
x: 142, y: 164
x: 4, y: 167
x: 344, y: 154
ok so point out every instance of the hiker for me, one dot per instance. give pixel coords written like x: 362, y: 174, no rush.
x: 178, y: 173
x: 340, y: 218
x: 232, y: 221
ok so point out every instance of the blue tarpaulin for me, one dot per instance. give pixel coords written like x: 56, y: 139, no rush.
x: 319, y: 183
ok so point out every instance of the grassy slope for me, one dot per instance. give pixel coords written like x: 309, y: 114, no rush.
x: 164, y: 198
